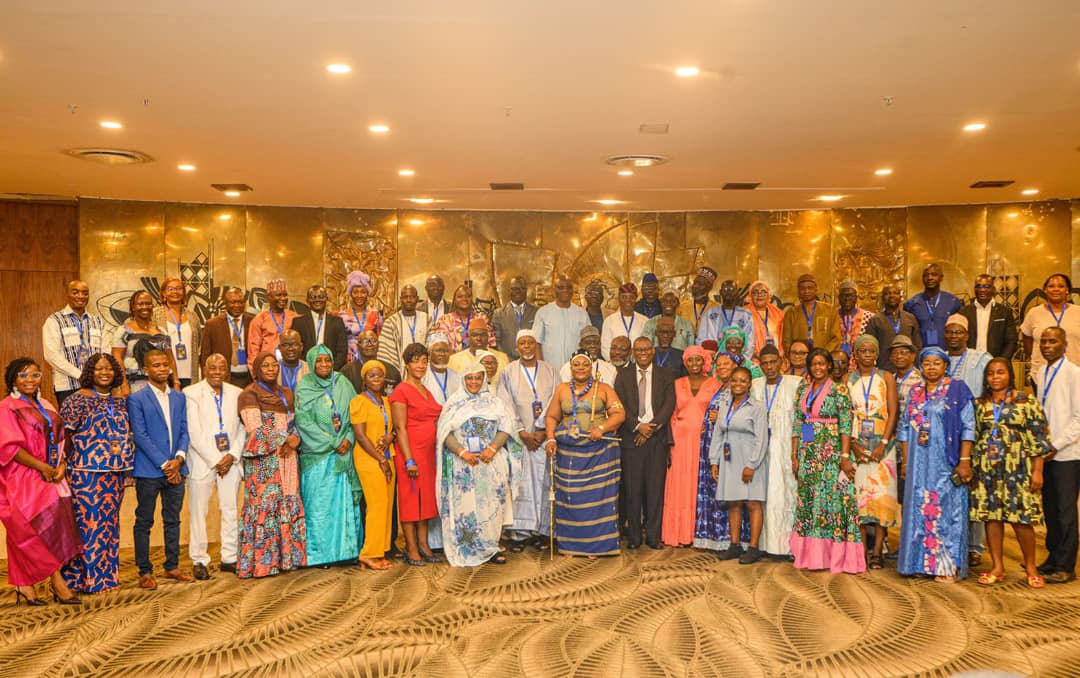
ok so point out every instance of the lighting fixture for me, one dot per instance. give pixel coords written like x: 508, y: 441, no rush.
x: 975, y: 127
x: 608, y: 202
x: 829, y: 198
x: 378, y: 129
x: 636, y: 160
x: 687, y: 71
x: 186, y: 167
x: 339, y: 68
x: 1029, y: 191
x: 422, y: 201
x: 225, y: 217
x: 406, y: 172
x: 883, y: 172
x: 232, y: 194
x: 626, y: 173
x: 416, y: 222
x: 111, y: 124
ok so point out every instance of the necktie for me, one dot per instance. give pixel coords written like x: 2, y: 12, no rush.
x: 642, y: 393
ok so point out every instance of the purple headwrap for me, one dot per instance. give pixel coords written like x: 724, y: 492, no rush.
x: 357, y: 278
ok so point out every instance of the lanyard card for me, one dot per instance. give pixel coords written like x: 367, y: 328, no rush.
x: 474, y: 444
x: 116, y: 445
x: 727, y: 451
x: 807, y: 432
x: 336, y: 419
x: 866, y: 432
x: 222, y: 442
x: 181, y: 352
x: 924, y: 435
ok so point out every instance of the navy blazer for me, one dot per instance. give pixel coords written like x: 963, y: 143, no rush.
x: 152, y: 445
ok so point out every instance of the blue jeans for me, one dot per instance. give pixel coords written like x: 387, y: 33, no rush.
x: 147, y: 491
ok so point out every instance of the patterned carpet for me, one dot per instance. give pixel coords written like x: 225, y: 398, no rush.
x: 647, y: 613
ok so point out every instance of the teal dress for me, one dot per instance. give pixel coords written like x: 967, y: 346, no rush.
x: 329, y: 486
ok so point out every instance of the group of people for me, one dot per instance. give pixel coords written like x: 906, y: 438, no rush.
x: 725, y: 424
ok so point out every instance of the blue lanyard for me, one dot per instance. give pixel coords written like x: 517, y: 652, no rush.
x: 465, y: 330
x: 812, y: 396
x: 532, y: 378
x: 728, y: 320
x: 769, y: 401
x: 847, y: 325
x: 869, y: 386
x: 895, y: 325
x: 330, y: 393
x: 289, y: 376
x: 625, y: 326
x: 435, y: 308
x: 574, y: 395
x: 218, y: 397
x: 412, y: 328
x: 48, y: 425
x: 765, y: 322
x: 359, y: 325
x: 84, y: 327
x: 382, y: 410
x: 730, y: 414
x: 179, y: 338
x: 809, y: 319
x: 280, y: 394
x: 697, y: 313
x: 238, y: 330
x: 280, y: 326
x: 1050, y: 381
x: 519, y: 315
x: 660, y: 361
x: 441, y: 384
x: 998, y: 409
x: 932, y: 310
x: 907, y: 374
x: 1057, y: 318
x: 954, y: 367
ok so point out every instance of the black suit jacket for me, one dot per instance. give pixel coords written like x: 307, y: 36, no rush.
x: 334, y: 336
x: 663, y: 402
x: 1001, y: 337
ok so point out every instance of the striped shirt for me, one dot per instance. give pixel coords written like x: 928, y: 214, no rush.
x: 68, y: 342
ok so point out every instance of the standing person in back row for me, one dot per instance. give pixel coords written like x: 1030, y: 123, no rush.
x: 228, y: 335
x: 559, y: 324
x: 811, y: 320
x: 518, y: 314
x: 271, y: 322
x: 991, y: 325
x: 70, y: 336
x: 932, y: 307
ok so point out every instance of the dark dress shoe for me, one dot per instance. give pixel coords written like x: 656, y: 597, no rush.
x: 655, y: 545
x: 201, y: 572
x: 634, y: 545
x: 750, y: 556
x: 1060, y: 577
x: 1045, y: 569
x: 228, y: 567
x: 734, y: 551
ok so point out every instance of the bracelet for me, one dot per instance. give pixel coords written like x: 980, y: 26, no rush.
x: 386, y: 455
x: 965, y: 458
x: 409, y: 463
x: 461, y: 452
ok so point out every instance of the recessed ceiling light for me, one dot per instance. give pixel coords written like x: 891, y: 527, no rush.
x: 687, y: 71
x: 416, y: 222
x: 829, y: 198
x: 883, y: 172
x: 1013, y: 215
x: 111, y: 124
x: 626, y: 173
x: 379, y: 129
x: 975, y: 127
x: 422, y: 201
x: 608, y: 201
x: 1029, y: 191
x: 406, y: 172
x: 225, y: 217
x: 232, y: 194
x: 339, y: 68
x: 186, y: 167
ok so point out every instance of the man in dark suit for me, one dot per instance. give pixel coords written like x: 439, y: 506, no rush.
x: 991, y: 325
x: 319, y: 327
x: 647, y: 393
x: 513, y: 317
x: 158, y: 417
x: 227, y: 334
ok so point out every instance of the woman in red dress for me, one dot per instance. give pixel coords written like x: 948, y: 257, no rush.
x: 415, y: 414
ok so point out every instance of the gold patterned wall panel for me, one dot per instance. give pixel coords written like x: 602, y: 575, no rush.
x: 791, y: 244
x: 1031, y: 241
x: 641, y: 247
x: 516, y: 230
x: 602, y: 259
x: 285, y: 242
x: 206, y: 246
x: 120, y: 244
x: 953, y: 236
x: 1075, y: 213
x: 535, y: 265
x: 432, y: 242
x: 671, y: 231
x: 868, y: 246
x: 727, y: 242
x: 370, y: 251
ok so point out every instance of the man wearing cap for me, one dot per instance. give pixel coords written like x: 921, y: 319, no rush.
x: 932, y: 307
x: 527, y: 386
x: 626, y: 322
x: 649, y: 304
x: 557, y: 323
x: 850, y: 319
x: 695, y: 308
x: 518, y: 314
x: 479, y: 335
x: 991, y: 326
x: 271, y: 322
x: 892, y: 322
x: 811, y: 320
x: 440, y: 380
x: 730, y: 313
x: 590, y: 343
x: 407, y: 326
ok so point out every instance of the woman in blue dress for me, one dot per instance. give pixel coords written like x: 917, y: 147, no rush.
x: 936, y: 433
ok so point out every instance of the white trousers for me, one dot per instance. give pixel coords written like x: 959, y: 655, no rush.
x: 199, y: 491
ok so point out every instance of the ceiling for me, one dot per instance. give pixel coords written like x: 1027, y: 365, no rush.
x: 807, y: 98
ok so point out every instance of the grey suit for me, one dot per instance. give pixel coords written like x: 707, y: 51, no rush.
x: 507, y: 325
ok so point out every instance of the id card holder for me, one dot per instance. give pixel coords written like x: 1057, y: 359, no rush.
x: 474, y: 444
x: 241, y: 356
x: 116, y: 446
x: 931, y: 337
x: 336, y: 419
x: 924, y: 436
x: 807, y: 433
x: 727, y: 451
x: 537, y: 409
x: 181, y: 352
x: 866, y: 432
x: 222, y: 441
x: 575, y: 429
x: 995, y: 450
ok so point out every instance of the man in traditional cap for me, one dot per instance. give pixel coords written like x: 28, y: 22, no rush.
x: 649, y: 305
x: 850, y: 319
x: 518, y: 314
x: 626, y: 322
x: 730, y: 313
x: 932, y: 307
x: 811, y: 320
x: 268, y: 325
x: 557, y: 323
x: 695, y: 308
x: 479, y: 338
x: 590, y: 343
x: 440, y: 380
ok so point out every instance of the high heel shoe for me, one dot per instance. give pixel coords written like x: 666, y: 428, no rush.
x: 430, y: 557
x: 35, y: 602
x: 73, y: 600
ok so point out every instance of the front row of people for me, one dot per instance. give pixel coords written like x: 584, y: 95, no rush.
x: 804, y: 466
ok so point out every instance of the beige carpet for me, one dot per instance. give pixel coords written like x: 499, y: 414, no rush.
x: 647, y: 613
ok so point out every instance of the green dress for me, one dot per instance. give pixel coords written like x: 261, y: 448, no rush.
x: 1002, y: 487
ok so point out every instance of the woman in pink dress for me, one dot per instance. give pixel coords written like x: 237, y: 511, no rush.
x: 692, y: 396
x: 35, y: 502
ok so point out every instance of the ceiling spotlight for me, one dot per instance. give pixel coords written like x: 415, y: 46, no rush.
x: 379, y: 129
x: 406, y: 172
x: 626, y: 173
x: 110, y: 124
x: 186, y: 167
x: 608, y: 201
x: 687, y: 71
x: 422, y: 201
x: 1029, y: 191
x: 829, y: 198
x: 416, y: 222
x: 232, y: 194
x: 225, y: 217
x: 339, y: 68
x: 883, y: 172
x: 975, y: 127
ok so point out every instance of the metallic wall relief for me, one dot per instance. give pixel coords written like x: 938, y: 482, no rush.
x: 368, y: 251
x: 727, y: 241
x: 432, y: 242
x: 791, y: 244
x: 1031, y: 240
x: 602, y: 258
x: 953, y: 236
x: 868, y: 246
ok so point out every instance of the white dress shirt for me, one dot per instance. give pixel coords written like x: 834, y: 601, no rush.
x: 648, y: 416
x: 319, y: 323
x: 203, y: 425
x: 982, y: 325
x: 618, y: 325
x: 163, y: 402
x: 1061, y: 403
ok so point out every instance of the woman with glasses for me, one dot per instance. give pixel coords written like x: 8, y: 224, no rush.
x: 183, y: 328
x: 768, y: 318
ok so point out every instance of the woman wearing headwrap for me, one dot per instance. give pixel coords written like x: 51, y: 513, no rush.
x: 272, y: 531
x: 373, y: 457
x: 492, y: 368
x: 329, y: 487
x: 358, y: 317
x: 692, y: 396
x: 732, y: 340
x: 874, y: 404
x: 768, y: 318
x: 582, y: 419
x: 826, y: 532
x: 936, y: 433
x: 478, y: 457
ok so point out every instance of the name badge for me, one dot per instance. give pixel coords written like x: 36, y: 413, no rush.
x: 537, y: 409
x: 222, y: 441
x: 924, y: 436
x: 241, y: 356
x: 995, y: 450
x: 575, y: 429
x: 474, y: 444
x: 931, y: 337
x: 866, y: 432
x: 810, y: 343
x: 807, y: 432
x: 181, y: 352
x: 727, y: 451
x: 337, y: 422
x: 116, y: 445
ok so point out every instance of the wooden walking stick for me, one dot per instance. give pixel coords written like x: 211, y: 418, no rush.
x: 551, y: 507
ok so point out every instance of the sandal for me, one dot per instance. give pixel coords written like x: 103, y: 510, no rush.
x: 877, y: 562
x: 516, y: 547
x: 497, y: 559
x: 989, y: 578
x: 375, y: 564
x: 1036, y: 582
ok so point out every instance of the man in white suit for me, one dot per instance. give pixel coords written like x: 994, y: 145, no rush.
x: 217, y: 437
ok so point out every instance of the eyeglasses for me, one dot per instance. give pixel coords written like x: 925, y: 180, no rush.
x: 955, y: 333
x: 984, y: 287
x: 29, y: 375
x: 760, y: 293
x: 369, y: 341
x: 174, y: 288
x: 800, y: 353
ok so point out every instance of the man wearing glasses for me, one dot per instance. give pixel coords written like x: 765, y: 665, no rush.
x: 992, y: 327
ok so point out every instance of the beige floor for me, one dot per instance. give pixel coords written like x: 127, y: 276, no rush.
x: 646, y: 613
